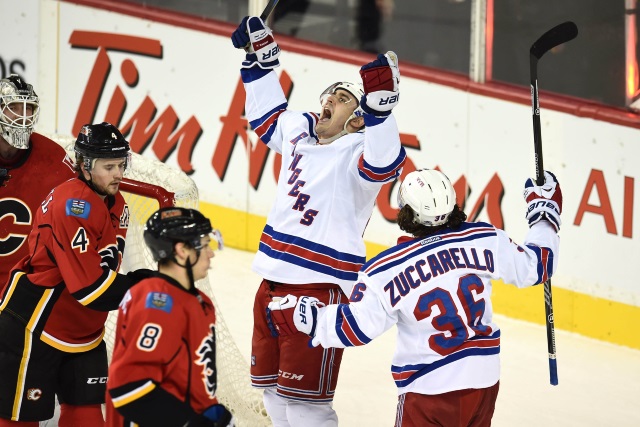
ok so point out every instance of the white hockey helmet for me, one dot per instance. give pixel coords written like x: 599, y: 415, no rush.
x: 16, y: 124
x: 430, y: 194
x: 357, y: 91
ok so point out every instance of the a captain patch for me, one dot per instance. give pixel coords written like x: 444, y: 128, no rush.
x: 79, y: 208
x: 160, y: 301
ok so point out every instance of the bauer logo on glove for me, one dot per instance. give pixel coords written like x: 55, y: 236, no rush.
x: 381, y: 79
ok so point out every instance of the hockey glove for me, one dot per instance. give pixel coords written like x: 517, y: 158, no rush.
x: 380, y: 79
x: 279, y: 316
x: 140, y: 274
x: 257, y: 39
x: 543, y: 202
x: 218, y: 416
x: 305, y: 316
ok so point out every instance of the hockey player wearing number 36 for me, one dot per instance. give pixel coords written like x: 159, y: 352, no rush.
x: 333, y: 167
x: 163, y: 372
x: 56, y: 300
x: 436, y: 287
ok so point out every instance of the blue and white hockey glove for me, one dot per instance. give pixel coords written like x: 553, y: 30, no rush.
x: 305, y: 316
x: 257, y: 39
x: 381, y: 79
x: 280, y: 316
x: 543, y: 202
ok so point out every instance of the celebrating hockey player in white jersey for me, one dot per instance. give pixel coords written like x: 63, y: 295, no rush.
x: 436, y: 287
x: 333, y: 166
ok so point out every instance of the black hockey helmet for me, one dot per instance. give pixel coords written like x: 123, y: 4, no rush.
x: 101, y: 141
x: 168, y: 226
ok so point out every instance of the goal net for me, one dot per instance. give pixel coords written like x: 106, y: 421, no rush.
x: 150, y: 184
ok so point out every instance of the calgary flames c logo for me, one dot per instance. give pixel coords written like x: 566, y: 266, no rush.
x: 34, y: 394
x: 206, y: 353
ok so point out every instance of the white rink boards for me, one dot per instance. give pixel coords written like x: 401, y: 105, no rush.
x: 599, y: 382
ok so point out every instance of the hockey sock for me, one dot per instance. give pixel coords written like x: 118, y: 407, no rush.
x: 80, y: 416
x: 276, y: 407
x: 305, y: 414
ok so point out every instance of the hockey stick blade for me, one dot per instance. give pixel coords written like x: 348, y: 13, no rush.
x: 556, y: 36
x: 268, y: 10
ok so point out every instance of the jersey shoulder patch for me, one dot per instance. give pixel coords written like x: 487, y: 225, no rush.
x: 159, y: 301
x: 77, y: 207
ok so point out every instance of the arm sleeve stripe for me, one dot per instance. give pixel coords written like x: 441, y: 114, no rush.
x: 545, y: 262
x: 99, y: 290
x: 135, y: 394
x: 265, y: 126
x: 384, y: 174
x: 347, y: 328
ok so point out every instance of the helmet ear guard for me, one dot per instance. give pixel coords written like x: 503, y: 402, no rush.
x: 19, y: 111
x: 430, y: 195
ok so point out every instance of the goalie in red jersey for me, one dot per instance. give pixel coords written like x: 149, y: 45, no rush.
x: 56, y: 300
x: 163, y: 371
x: 30, y: 166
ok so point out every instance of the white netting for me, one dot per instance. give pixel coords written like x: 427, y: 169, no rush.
x: 234, y: 388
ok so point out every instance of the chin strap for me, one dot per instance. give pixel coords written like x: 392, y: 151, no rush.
x: 343, y: 132
x: 188, y: 266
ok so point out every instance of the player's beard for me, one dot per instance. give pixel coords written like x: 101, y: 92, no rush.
x: 109, y: 190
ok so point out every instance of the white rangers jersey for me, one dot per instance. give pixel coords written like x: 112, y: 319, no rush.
x: 326, y: 193
x: 438, y: 292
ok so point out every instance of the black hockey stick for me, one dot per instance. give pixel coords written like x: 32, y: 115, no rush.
x: 268, y: 9
x: 554, y: 37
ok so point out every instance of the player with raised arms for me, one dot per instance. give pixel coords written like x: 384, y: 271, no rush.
x: 30, y: 166
x: 163, y: 371
x: 56, y: 300
x: 333, y: 167
x: 436, y: 287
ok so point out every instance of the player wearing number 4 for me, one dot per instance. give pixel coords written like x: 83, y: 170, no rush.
x: 56, y: 300
x: 333, y: 167
x: 163, y: 371
x: 436, y: 287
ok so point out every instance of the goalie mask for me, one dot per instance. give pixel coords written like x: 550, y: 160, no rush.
x: 430, y: 195
x: 19, y: 110
x: 100, y: 141
x: 357, y: 91
x: 172, y: 225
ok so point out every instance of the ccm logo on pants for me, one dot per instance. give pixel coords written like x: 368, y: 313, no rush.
x: 97, y: 380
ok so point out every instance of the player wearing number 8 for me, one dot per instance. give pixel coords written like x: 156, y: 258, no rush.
x: 163, y: 371
x: 56, y: 300
x: 436, y: 287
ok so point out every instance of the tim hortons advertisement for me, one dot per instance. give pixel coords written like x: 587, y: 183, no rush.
x: 176, y: 94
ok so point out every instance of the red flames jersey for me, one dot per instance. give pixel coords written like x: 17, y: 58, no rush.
x: 43, y: 166
x: 165, y: 337
x: 76, y: 249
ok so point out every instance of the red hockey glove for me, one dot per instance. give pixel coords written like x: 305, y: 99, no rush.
x: 380, y: 79
x: 280, y: 316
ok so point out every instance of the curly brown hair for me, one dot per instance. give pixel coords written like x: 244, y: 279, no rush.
x: 407, y: 223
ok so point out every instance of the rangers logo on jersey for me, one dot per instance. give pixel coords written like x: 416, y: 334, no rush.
x: 206, y: 353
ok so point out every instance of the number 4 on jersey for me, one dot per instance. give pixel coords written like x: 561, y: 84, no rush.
x: 80, y: 240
